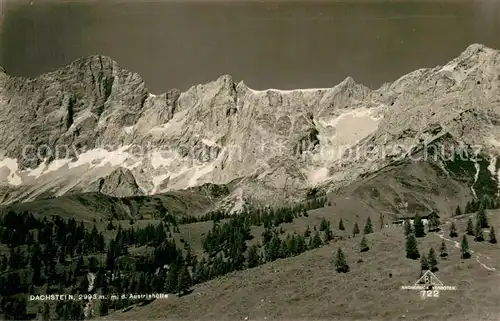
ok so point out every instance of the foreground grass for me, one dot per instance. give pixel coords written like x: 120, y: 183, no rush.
x: 308, y: 287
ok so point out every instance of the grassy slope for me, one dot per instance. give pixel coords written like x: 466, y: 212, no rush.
x: 307, y: 286
x: 94, y: 206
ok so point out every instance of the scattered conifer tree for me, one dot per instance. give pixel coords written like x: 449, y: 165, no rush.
x: 486, y: 202
x: 470, y: 227
x: 418, y: 226
x: 328, y: 234
x: 478, y: 233
x: 431, y: 258
x: 412, y: 247
x: 458, y: 211
x: 340, y: 262
x: 442, y: 250
x: 424, y: 263
x: 482, y: 217
x: 316, y: 241
x: 464, y: 248
x: 434, y: 222
x: 493, y: 238
x: 363, y: 247
x: 323, y: 225
x: 184, y: 280
x: 84, y: 284
x: 253, y: 258
x: 341, y: 225
x: 172, y: 279
x: 368, y: 227
x: 103, y: 308
x: 453, y: 230
x: 355, y: 229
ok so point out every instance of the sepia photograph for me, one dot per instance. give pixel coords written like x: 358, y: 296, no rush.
x: 252, y: 160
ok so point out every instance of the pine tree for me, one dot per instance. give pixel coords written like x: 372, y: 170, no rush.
x: 478, y: 233
x: 434, y: 222
x: 470, y: 227
x: 253, y: 258
x: 442, y: 250
x: 93, y: 264
x: 431, y: 258
x: 328, y: 235
x: 340, y: 262
x: 419, y: 227
x: 355, y: 229
x: 464, y: 248
x: 301, y: 244
x: 482, y: 217
x: 424, y: 263
x: 272, y: 248
x: 412, y: 247
x: 458, y: 211
x: 493, y: 238
x: 172, y: 279
x: 184, y: 281
x: 368, y: 227
x: 79, y: 265
x: 453, y: 230
x: 103, y: 307
x: 341, y: 225
x: 323, y: 225
x: 316, y: 240
x: 84, y: 284
x: 363, y: 247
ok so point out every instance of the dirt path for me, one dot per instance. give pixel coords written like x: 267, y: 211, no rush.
x: 480, y: 258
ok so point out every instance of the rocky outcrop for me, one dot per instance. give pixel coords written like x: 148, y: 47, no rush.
x: 73, y: 126
x: 120, y: 183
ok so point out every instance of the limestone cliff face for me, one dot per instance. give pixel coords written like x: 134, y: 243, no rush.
x: 99, y: 117
x: 83, y: 104
x: 120, y: 183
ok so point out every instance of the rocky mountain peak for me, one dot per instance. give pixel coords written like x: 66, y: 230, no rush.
x: 94, y: 62
x: 119, y: 183
x: 475, y: 51
x: 220, y: 131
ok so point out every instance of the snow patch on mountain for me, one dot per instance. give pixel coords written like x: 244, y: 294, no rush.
x: 317, y: 175
x: 9, y: 171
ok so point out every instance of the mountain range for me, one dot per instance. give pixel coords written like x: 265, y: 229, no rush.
x: 92, y: 126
